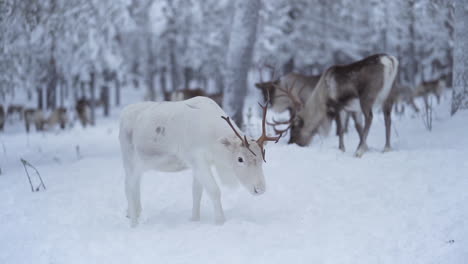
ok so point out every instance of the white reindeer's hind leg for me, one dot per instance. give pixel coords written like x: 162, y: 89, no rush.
x: 202, y: 172
x: 197, y: 190
x: 132, y: 190
x: 132, y: 178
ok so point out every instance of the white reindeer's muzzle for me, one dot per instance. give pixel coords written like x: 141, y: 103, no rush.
x: 257, y: 190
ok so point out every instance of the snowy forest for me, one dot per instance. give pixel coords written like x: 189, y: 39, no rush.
x: 325, y: 81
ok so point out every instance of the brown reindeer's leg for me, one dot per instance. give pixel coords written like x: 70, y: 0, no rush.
x: 387, y: 111
x: 357, y: 124
x: 339, y: 130
x: 346, y: 122
x: 363, y: 143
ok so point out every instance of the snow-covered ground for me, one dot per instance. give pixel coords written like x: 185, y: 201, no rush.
x: 321, y: 205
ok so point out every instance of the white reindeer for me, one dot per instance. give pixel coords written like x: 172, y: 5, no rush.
x: 190, y: 134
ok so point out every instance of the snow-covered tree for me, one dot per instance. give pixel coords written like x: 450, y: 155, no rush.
x: 239, y: 56
x: 460, y: 67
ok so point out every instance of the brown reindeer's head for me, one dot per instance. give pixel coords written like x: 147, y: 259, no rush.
x: 296, y: 105
x: 314, y: 116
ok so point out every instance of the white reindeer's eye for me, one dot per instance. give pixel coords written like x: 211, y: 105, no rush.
x: 240, y: 159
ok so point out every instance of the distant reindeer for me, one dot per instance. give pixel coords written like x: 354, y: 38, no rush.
x: 2, y: 118
x: 83, y: 111
x: 403, y: 95
x: 15, y: 109
x: 34, y: 116
x: 38, y: 118
x: 426, y: 88
x: 58, y: 116
x: 190, y: 134
x: 359, y: 87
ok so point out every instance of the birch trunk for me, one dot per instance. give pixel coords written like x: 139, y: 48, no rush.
x: 239, y: 56
x: 460, y: 58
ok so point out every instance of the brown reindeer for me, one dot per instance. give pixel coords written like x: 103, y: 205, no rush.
x: 426, y: 88
x: 286, y: 93
x: 38, y: 118
x: 34, y: 116
x: 301, y: 87
x: 356, y: 88
x: 403, y: 96
x: 289, y: 93
x: 83, y: 111
x: 58, y: 116
x: 15, y: 109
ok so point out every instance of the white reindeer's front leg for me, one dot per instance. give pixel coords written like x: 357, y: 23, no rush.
x: 202, y: 172
x: 197, y: 190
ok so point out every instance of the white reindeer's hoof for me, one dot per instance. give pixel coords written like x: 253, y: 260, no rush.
x: 387, y: 149
x: 195, y: 218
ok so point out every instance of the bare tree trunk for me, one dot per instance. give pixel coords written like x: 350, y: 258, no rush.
x: 412, y: 67
x: 92, y: 91
x: 239, y: 56
x: 105, y: 100
x: 460, y: 58
x: 288, y: 66
x: 175, y: 80
x: 52, y: 85
x: 162, y: 80
x: 150, y: 69
x: 40, y: 103
x: 117, y: 89
x: 188, y: 77
x: 219, y: 81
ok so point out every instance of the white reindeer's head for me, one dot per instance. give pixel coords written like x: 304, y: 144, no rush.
x: 246, y: 157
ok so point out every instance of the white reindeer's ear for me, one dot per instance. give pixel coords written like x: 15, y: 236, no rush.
x: 225, y: 142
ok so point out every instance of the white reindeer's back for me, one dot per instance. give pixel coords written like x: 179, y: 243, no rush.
x: 172, y: 131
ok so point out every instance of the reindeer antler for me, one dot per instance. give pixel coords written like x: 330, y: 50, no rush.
x: 244, y: 140
x: 295, y: 99
x: 278, y: 123
x: 263, y: 138
x: 274, y: 72
x: 269, y: 66
x: 297, y: 105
